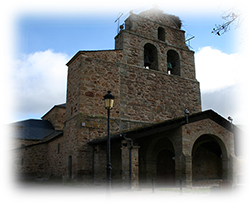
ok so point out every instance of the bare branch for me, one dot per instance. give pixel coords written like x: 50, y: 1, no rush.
x: 221, y: 29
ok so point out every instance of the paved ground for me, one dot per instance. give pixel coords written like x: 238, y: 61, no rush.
x: 44, y: 191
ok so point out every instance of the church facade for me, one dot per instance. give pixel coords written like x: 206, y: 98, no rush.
x: 151, y: 73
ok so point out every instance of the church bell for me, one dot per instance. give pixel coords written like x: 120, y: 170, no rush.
x: 169, y: 66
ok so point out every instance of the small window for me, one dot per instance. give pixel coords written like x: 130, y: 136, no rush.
x: 58, y: 148
x: 161, y: 34
x: 70, y: 167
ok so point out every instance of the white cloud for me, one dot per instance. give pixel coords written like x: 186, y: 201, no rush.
x: 226, y: 102
x: 223, y: 82
x: 215, y: 69
x: 38, y: 82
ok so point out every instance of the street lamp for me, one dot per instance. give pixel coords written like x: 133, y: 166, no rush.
x: 109, y: 102
x: 231, y: 121
x: 186, y: 115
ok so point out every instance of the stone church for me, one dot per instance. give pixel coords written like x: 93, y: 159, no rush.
x: 158, y: 130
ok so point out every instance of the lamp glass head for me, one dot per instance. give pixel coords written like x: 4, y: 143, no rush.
x: 109, y: 100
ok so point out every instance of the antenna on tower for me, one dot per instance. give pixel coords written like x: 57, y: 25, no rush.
x: 188, y: 40
x: 118, y: 21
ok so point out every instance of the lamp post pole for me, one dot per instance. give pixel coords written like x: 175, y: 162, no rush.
x: 108, y: 158
x: 109, y: 101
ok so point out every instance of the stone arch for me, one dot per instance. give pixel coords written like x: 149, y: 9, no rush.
x: 165, y: 168
x: 154, y: 148
x: 160, y: 160
x: 150, y: 56
x: 209, y: 159
x: 173, y: 62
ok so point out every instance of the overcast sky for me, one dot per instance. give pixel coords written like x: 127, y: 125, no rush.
x: 45, y: 37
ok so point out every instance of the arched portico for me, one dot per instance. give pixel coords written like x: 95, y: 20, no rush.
x: 159, y: 162
x: 210, y: 161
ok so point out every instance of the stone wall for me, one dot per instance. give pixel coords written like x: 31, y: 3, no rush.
x: 152, y: 96
x: 16, y: 143
x: 90, y: 77
x: 30, y: 160
x: 192, y: 131
x: 56, y: 116
x: 40, y: 160
x: 54, y: 157
x: 76, y: 137
x: 210, y: 168
x: 73, y: 83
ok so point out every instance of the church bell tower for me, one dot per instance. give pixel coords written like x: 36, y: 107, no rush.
x: 160, y: 69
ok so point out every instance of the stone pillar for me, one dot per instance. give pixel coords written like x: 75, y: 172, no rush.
x: 187, y: 170
x: 225, y: 169
x: 135, y: 167
x: 233, y: 169
x: 126, y: 165
x: 178, y: 169
x: 125, y: 162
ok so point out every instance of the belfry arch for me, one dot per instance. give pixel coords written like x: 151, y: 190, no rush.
x: 209, y: 160
x: 173, y: 63
x: 150, y: 57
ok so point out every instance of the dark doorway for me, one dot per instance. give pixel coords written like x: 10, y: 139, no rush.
x: 165, y: 168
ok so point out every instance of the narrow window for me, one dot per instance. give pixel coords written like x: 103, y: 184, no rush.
x: 70, y: 167
x: 58, y: 148
x: 161, y: 34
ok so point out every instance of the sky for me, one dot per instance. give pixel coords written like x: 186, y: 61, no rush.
x: 45, y: 37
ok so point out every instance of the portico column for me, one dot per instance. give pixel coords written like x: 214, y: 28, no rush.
x: 178, y: 168
x: 187, y: 170
x: 135, y: 167
x: 125, y: 153
x: 125, y: 163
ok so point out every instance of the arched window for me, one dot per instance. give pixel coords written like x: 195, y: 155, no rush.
x: 161, y: 34
x: 173, y: 62
x: 150, y: 57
